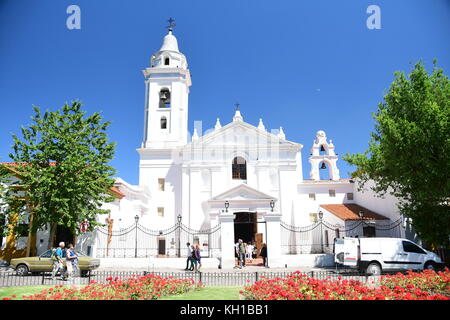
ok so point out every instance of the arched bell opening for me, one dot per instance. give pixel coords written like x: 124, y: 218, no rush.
x: 164, y: 98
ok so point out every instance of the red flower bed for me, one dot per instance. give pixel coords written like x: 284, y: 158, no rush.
x: 427, y: 285
x: 147, y: 287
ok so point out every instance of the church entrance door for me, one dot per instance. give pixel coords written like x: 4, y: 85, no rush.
x: 245, y: 226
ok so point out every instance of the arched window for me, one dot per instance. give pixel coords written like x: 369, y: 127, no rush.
x: 239, y: 168
x: 163, y: 122
x: 166, y: 61
x: 164, y: 98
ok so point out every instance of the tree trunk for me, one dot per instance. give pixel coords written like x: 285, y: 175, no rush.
x: 52, y: 235
x: 31, y: 241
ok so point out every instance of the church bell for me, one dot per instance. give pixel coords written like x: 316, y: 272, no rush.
x: 323, y: 166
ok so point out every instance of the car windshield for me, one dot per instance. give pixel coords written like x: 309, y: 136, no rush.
x: 80, y: 254
x: 46, y: 254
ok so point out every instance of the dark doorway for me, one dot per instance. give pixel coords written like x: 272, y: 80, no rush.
x: 63, y: 234
x: 162, y: 246
x: 245, y: 226
x: 369, y: 231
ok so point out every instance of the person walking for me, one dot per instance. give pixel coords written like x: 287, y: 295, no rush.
x: 71, y: 262
x: 57, y: 258
x: 241, y: 252
x: 197, y: 258
x: 263, y: 254
x: 189, y: 262
x: 236, y: 254
x: 193, y: 259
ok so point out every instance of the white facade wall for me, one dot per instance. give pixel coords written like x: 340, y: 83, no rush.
x: 386, y: 206
x: 305, y: 205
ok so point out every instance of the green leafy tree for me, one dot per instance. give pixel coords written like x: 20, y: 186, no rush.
x: 409, y: 151
x: 62, y: 167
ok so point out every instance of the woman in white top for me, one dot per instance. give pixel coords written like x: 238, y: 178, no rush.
x: 249, y: 252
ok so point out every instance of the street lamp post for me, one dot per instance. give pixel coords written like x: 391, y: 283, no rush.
x: 136, y: 220
x: 179, y: 234
x: 361, y: 216
x: 321, y: 232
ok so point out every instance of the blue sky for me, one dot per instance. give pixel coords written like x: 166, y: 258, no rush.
x: 303, y: 65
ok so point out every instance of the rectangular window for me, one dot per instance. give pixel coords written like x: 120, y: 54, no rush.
x: 350, y: 196
x: 161, y: 212
x: 332, y: 193
x: 313, y: 217
x: 312, y: 196
x: 161, y: 183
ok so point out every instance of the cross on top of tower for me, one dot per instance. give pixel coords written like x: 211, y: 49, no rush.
x: 237, y: 104
x: 171, y: 24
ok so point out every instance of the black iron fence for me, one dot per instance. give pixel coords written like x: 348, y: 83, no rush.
x: 11, y: 279
x: 319, y: 236
x: 138, y: 241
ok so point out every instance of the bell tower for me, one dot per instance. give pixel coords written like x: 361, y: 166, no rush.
x: 323, y: 157
x: 167, y: 83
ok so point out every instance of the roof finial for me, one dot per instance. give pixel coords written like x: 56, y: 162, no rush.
x: 237, y: 113
x: 171, y: 24
x: 218, y: 125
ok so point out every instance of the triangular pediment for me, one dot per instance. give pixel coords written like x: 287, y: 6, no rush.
x: 240, y: 133
x: 242, y: 192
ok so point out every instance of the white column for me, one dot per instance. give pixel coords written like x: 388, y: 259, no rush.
x: 227, y: 239
x: 186, y: 194
x: 273, y: 239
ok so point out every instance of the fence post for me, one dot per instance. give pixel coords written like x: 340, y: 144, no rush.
x: 43, y: 277
x: 256, y: 276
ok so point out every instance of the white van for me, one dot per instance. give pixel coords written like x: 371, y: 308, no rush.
x: 374, y: 255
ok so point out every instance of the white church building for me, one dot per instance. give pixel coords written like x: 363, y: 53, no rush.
x: 236, y: 181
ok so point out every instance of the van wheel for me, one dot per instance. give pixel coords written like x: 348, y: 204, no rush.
x: 373, y: 269
x: 429, y: 266
x: 22, y: 270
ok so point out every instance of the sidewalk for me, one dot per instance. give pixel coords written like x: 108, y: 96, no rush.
x: 234, y: 270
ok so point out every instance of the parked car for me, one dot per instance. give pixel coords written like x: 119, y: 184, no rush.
x: 375, y: 255
x: 4, y: 266
x: 44, y: 263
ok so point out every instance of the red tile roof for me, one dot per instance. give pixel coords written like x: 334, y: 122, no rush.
x: 117, y: 193
x: 350, y: 212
